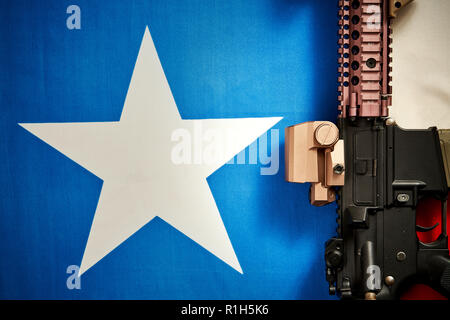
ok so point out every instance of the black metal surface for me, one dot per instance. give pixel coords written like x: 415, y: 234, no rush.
x: 388, y: 170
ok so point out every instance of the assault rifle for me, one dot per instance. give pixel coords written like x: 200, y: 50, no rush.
x: 376, y: 171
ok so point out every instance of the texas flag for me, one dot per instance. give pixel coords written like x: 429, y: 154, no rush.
x: 142, y: 147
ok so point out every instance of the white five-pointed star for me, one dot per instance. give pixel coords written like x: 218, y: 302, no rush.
x: 133, y: 158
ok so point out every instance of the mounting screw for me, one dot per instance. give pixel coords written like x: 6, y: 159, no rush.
x: 371, y: 63
x: 326, y: 134
x: 390, y: 122
x: 401, y: 256
x: 370, y: 296
x: 338, y: 169
x: 334, y: 258
x: 389, y: 280
x: 402, y: 197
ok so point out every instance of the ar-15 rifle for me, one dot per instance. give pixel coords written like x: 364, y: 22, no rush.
x: 376, y: 171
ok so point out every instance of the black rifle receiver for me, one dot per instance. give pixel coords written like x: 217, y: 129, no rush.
x: 388, y: 171
x: 375, y: 170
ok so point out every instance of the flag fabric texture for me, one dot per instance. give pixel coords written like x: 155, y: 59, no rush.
x: 76, y: 62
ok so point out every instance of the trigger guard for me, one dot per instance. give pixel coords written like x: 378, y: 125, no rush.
x: 426, y: 229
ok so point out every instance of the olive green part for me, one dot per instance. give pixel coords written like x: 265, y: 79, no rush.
x: 444, y: 137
